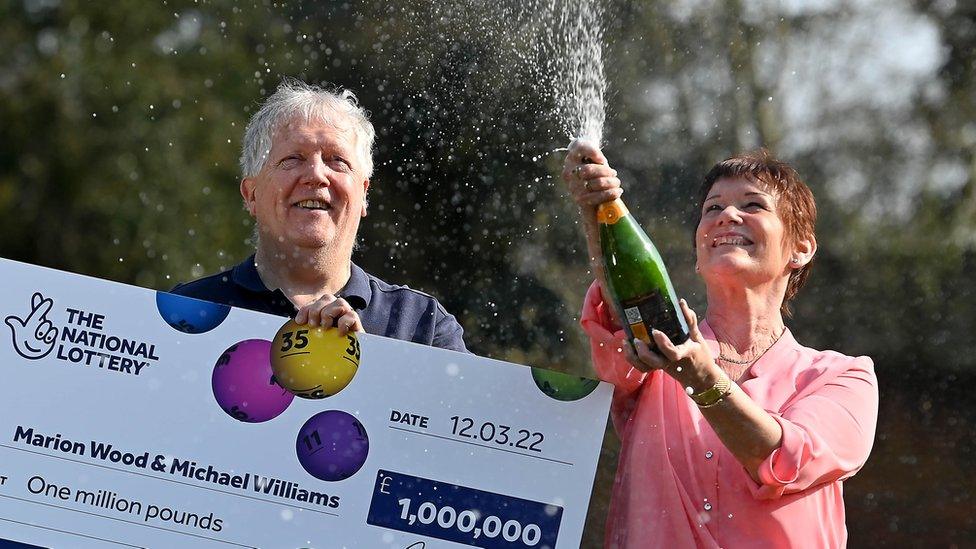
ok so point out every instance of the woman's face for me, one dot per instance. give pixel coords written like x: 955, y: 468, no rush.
x: 741, y: 237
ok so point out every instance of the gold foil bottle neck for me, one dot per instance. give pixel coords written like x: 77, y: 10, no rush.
x: 609, y: 213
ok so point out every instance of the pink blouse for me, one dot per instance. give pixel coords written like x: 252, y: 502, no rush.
x: 677, y: 486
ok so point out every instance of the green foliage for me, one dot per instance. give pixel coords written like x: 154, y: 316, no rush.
x: 120, y: 126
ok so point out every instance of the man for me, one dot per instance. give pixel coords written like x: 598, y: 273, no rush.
x: 306, y: 163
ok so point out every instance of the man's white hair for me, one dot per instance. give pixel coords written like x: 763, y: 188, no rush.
x: 296, y: 99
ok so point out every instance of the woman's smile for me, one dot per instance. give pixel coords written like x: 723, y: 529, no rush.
x: 730, y: 239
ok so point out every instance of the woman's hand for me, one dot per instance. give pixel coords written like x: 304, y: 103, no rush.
x: 589, y: 178
x: 688, y: 362
x: 327, y: 310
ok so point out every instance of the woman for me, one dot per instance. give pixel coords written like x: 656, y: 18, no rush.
x: 739, y: 437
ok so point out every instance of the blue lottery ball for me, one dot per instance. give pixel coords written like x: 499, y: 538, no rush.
x: 188, y: 315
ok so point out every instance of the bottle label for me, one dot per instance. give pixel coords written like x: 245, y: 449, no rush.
x: 609, y: 213
x: 655, y: 311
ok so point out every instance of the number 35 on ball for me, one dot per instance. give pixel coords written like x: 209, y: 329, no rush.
x: 314, y: 362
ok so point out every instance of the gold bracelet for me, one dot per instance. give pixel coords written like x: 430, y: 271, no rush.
x: 715, y: 394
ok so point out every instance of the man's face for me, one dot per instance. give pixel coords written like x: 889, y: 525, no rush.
x: 311, y: 191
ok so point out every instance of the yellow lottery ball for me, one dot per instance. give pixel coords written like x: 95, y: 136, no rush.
x: 313, y: 362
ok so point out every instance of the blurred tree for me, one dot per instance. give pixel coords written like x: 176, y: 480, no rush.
x: 120, y: 126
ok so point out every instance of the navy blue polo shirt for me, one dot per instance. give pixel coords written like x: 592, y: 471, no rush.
x: 385, y: 309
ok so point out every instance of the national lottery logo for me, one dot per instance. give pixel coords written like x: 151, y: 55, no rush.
x: 82, y: 340
x: 34, y: 336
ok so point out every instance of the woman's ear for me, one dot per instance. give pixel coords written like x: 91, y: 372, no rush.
x: 803, y: 251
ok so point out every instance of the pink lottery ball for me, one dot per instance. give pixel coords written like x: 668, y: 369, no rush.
x: 244, y: 385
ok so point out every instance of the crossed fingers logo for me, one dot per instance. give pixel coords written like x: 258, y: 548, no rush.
x: 34, y: 336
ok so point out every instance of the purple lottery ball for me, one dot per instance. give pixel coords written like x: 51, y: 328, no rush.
x: 244, y: 385
x: 332, y: 445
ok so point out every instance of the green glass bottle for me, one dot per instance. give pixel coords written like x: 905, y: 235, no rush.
x: 642, y: 291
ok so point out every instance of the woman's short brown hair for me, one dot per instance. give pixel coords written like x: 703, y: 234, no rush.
x: 795, y: 204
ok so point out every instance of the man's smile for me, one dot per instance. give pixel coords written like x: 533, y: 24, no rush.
x: 314, y: 205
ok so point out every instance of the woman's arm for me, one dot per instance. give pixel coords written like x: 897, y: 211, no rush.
x: 828, y: 432
x: 745, y: 428
x: 749, y: 432
x: 823, y: 436
x: 591, y: 182
x: 606, y: 348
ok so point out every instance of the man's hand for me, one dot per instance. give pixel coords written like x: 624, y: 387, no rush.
x: 34, y: 337
x: 328, y: 311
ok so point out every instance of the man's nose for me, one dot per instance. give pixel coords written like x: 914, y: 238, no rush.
x: 318, y: 172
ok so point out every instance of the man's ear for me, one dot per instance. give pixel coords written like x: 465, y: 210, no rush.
x: 248, y: 185
x: 365, y: 196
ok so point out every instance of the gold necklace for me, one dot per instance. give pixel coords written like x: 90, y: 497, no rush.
x: 760, y: 355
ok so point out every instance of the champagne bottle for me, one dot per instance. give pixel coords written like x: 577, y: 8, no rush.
x: 641, y: 289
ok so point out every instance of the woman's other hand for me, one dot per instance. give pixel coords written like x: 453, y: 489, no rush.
x: 683, y: 362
